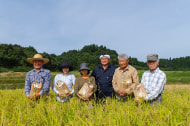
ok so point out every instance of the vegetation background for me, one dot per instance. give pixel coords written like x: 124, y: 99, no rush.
x: 13, y: 58
x: 16, y: 109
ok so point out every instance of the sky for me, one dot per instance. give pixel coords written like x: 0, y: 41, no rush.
x: 134, y: 27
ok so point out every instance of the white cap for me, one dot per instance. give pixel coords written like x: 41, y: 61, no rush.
x: 106, y: 55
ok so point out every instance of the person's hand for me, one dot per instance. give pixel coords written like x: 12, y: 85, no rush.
x: 139, y: 99
x: 129, y: 91
x: 61, y: 95
x: 67, y: 94
x: 29, y: 97
x: 85, y: 98
x: 37, y: 96
x: 79, y: 96
x: 122, y: 93
x: 88, y: 96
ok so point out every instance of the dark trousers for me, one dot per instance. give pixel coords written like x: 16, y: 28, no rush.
x: 156, y: 101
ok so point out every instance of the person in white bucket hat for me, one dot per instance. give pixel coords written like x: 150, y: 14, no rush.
x: 38, y: 75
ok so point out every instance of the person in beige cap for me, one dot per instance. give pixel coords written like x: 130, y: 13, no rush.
x: 124, y: 79
x: 153, y: 80
x: 38, y: 75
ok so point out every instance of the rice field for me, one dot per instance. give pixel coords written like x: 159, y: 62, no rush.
x: 16, y: 109
x: 15, y: 80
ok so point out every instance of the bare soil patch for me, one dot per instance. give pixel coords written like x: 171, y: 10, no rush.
x: 177, y: 86
x: 16, y: 74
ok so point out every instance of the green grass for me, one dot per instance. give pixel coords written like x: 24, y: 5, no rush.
x: 178, y: 77
x: 16, y: 109
x: 15, y: 80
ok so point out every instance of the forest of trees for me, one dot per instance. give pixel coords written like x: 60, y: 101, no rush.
x: 13, y: 58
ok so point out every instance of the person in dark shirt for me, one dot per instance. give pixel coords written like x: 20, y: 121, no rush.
x: 103, y: 76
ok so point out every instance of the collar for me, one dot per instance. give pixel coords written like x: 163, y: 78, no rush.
x: 41, y: 70
x: 65, y: 75
x: 109, y: 66
x: 126, y: 68
x: 156, y: 70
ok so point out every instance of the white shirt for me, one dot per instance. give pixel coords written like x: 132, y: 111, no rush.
x: 153, y: 83
x: 69, y: 80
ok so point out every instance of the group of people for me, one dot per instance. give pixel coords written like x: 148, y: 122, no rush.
x: 106, y: 79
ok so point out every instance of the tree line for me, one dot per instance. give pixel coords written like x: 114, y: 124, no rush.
x: 13, y: 57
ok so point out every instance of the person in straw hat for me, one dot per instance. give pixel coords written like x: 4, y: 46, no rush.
x: 38, y: 75
x: 153, y: 80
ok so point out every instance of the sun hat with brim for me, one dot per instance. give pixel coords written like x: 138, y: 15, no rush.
x: 84, y: 66
x: 38, y: 57
x: 65, y: 65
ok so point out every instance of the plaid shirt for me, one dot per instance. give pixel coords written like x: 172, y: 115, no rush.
x: 43, y: 76
x: 153, y: 83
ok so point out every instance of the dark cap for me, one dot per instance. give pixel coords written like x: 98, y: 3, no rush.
x: 84, y: 66
x: 65, y: 65
x: 152, y: 57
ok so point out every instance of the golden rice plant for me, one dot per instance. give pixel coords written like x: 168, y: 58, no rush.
x: 16, y: 109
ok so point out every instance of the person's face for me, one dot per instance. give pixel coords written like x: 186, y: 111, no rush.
x: 105, y: 61
x: 123, y: 63
x: 153, y: 65
x: 38, y: 64
x: 84, y: 72
x: 65, y: 70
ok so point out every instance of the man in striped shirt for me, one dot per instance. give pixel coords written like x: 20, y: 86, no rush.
x: 153, y: 80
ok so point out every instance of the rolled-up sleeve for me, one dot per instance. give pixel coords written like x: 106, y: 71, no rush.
x: 76, y: 86
x: 27, y: 85
x: 114, y: 81
x: 158, y: 88
x: 73, y: 81
x: 135, y: 77
x: 47, y: 82
x: 54, y: 85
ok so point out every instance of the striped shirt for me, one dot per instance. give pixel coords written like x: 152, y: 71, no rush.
x: 154, y: 83
x: 43, y: 76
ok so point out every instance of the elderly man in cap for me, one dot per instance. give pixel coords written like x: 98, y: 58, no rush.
x: 103, y: 75
x: 153, y: 80
x: 124, y: 79
x: 38, y: 75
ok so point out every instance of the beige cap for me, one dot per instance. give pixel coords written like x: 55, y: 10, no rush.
x: 38, y: 57
x: 152, y: 57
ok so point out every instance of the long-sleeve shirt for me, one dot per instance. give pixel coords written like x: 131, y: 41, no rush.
x: 153, y: 83
x: 129, y: 73
x: 104, y: 80
x: 69, y: 80
x: 43, y: 76
x: 79, y: 82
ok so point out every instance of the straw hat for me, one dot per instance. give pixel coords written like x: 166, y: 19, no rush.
x: 38, y: 57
